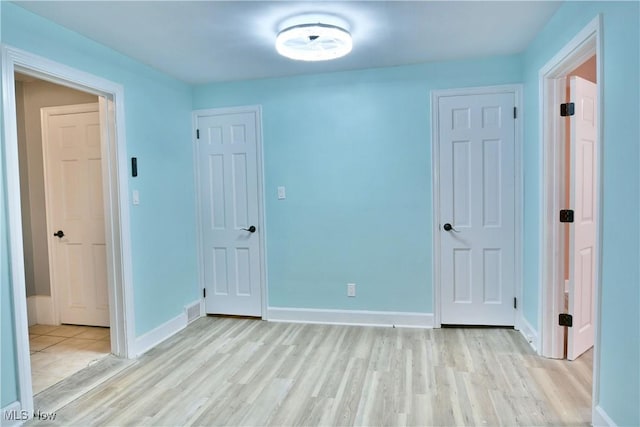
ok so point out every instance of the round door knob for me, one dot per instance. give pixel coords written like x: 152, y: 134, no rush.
x: 447, y: 227
x: 251, y: 229
x: 59, y: 234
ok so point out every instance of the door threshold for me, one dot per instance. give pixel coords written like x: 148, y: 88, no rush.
x: 71, y: 388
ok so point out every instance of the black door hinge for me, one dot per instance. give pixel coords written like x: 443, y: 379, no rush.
x: 515, y: 112
x: 204, y: 292
x: 565, y: 320
x: 197, y: 133
x: 568, y: 109
x: 515, y: 303
x: 566, y: 215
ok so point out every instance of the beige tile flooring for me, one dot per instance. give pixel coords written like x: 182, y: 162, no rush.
x: 60, y: 351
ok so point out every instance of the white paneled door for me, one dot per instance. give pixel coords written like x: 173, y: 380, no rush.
x: 582, y: 240
x: 229, y: 193
x: 476, y: 137
x: 73, y: 165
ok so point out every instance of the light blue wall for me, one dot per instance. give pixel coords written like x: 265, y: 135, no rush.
x: 158, y: 132
x: 353, y: 151
x: 8, y: 366
x: 620, y: 344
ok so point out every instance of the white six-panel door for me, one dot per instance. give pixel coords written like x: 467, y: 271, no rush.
x: 476, y: 136
x: 229, y: 191
x: 582, y: 246
x: 73, y: 173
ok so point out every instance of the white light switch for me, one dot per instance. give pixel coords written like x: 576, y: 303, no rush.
x: 282, y: 194
x: 136, y: 197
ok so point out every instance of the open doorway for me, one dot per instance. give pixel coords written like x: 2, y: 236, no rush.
x: 114, y: 173
x: 59, y: 155
x: 571, y: 142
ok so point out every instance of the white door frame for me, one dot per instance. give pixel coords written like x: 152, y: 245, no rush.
x: 115, y: 182
x: 552, y: 93
x: 435, y: 189
x: 257, y: 110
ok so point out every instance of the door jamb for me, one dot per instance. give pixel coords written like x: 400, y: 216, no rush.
x: 115, y: 182
x: 584, y: 45
x: 517, y: 90
x: 257, y: 110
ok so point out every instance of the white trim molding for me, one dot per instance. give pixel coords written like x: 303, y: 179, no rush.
x: 32, y: 311
x: 517, y: 90
x: 350, y: 317
x: 115, y: 170
x: 599, y: 418
x: 149, y: 340
x: 40, y: 310
x: 527, y: 331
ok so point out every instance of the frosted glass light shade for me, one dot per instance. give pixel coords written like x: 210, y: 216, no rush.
x: 314, y: 42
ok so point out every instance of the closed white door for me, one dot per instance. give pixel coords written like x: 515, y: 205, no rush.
x: 229, y: 191
x: 75, y: 207
x: 477, y: 209
x: 582, y: 240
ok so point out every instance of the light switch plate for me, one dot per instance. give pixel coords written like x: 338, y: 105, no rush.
x: 136, y: 197
x: 351, y: 289
x: 282, y: 194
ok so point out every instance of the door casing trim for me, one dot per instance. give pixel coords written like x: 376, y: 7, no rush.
x: 584, y: 45
x: 257, y: 110
x: 517, y: 90
x: 115, y: 180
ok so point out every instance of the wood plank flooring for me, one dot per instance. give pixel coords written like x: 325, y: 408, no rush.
x: 221, y: 371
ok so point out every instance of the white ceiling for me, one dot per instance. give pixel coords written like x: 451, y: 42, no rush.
x: 207, y: 41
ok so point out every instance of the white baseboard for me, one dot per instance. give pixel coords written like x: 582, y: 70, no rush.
x: 32, y: 311
x: 528, y: 332
x: 154, y: 337
x: 40, y: 310
x: 13, y: 415
x: 599, y: 418
x: 350, y: 317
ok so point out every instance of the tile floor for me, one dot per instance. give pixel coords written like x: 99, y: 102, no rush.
x: 60, y: 351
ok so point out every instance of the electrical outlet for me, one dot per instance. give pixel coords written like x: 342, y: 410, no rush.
x: 351, y: 289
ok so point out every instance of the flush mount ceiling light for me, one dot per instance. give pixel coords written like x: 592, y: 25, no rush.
x: 314, y: 42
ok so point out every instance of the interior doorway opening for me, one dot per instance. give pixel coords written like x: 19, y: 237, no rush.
x: 114, y: 172
x: 59, y: 151
x: 563, y: 300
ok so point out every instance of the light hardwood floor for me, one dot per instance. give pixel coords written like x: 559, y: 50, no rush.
x: 222, y: 371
